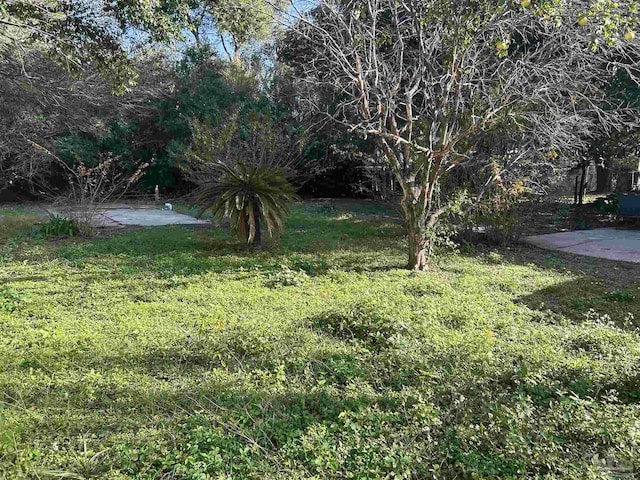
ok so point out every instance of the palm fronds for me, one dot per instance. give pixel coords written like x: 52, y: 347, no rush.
x: 249, y: 195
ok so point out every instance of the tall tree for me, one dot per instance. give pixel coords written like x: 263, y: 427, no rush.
x: 51, y: 52
x: 78, y: 33
x: 102, y: 33
x: 233, y: 23
x: 430, y: 79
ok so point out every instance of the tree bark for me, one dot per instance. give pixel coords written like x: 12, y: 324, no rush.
x: 257, y: 239
x: 583, y: 177
x: 417, y: 201
x: 605, y: 176
x: 418, y: 254
x: 416, y: 215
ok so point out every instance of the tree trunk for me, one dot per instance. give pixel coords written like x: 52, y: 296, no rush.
x: 605, y: 176
x: 418, y: 254
x: 582, y: 184
x: 417, y: 200
x: 416, y: 215
x: 257, y: 239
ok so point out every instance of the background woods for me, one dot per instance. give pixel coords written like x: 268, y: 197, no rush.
x: 430, y: 105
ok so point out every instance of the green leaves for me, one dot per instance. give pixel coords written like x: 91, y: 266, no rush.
x: 244, y: 20
x: 9, y: 300
x: 75, y: 34
x: 79, y: 34
x: 242, y: 169
x: 247, y: 195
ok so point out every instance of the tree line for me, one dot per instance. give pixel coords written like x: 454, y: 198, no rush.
x: 440, y: 104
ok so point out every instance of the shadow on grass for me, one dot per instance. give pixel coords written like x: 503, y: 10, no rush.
x: 585, y: 297
x: 611, y: 271
x: 198, y: 417
x: 196, y: 404
x: 247, y: 425
x: 606, y: 286
x: 311, y: 243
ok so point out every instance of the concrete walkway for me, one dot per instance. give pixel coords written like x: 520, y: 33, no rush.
x: 609, y: 243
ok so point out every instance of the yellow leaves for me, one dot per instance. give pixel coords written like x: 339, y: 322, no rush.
x: 517, y: 188
x: 630, y: 35
x: 525, y: 3
x: 502, y: 46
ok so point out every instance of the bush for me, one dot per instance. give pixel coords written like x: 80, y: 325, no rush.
x: 366, y: 322
x: 608, y: 205
x: 58, y: 226
x: 243, y: 173
x: 9, y: 299
x: 498, y: 216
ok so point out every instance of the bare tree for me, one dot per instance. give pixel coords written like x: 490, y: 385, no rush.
x: 430, y: 79
x: 39, y: 107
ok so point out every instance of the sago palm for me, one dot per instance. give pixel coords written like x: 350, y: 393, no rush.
x: 249, y: 195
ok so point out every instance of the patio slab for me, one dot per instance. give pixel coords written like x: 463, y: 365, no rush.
x: 147, y: 217
x: 123, y: 215
x: 609, y: 243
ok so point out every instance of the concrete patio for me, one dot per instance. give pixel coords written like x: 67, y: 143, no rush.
x: 121, y: 216
x: 609, y: 243
x: 144, y: 217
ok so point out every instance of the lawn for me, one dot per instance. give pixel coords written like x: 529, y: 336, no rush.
x: 176, y: 353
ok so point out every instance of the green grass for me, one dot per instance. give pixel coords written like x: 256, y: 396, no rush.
x: 176, y: 353
x: 18, y: 220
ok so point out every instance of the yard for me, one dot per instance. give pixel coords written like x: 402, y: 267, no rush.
x: 177, y: 353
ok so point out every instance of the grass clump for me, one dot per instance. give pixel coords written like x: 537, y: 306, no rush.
x: 59, y: 226
x: 9, y: 299
x: 364, y: 321
x: 620, y: 296
x: 286, y: 277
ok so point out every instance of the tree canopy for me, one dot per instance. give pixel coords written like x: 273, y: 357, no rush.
x: 103, y: 34
x: 431, y: 80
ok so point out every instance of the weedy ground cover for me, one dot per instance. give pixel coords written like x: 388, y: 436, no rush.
x: 177, y: 352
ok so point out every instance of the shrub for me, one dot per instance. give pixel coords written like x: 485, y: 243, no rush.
x: 607, y: 205
x: 91, y: 185
x: 366, y: 322
x: 249, y: 195
x: 497, y: 216
x: 9, y: 299
x: 58, y: 226
x: 242, y: 172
